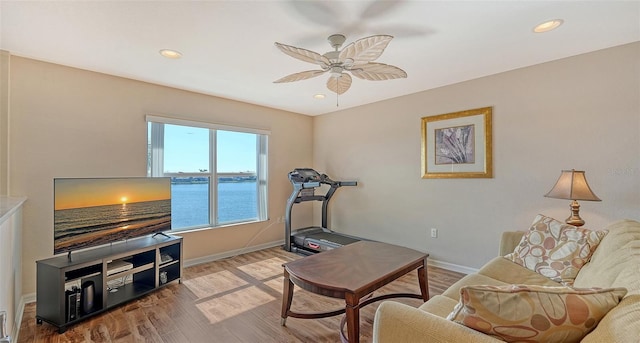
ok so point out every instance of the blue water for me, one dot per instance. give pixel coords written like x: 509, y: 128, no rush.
x: 237, y: 201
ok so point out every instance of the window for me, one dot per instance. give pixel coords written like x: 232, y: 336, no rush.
x: 218, y: 173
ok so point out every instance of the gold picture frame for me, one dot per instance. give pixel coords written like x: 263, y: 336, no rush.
x: 457, y: 145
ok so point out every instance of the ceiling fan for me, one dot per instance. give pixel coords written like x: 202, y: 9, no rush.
x: 356, y: 58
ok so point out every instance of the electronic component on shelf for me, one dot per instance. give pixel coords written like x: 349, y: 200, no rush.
x: 73, y: 303
x: 118, y: 266
x: 165, y: 258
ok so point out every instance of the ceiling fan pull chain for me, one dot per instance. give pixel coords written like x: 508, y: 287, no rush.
x: 337, y: 94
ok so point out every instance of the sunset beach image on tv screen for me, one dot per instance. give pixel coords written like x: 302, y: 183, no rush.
x: 95, y: 211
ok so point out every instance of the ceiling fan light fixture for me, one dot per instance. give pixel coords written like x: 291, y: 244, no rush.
x: 548, y: 25
x: 169, y: 53
x: 319, y: 96
x: 336, y: 72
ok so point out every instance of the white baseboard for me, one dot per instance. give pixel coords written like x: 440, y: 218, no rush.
x: 25, y: 299
x: 232, y: 253
x: 451, y: 266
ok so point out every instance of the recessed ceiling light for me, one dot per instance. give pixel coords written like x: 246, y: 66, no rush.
x: 319, y: 96
x: 168, y: 53
x: 548, y: 25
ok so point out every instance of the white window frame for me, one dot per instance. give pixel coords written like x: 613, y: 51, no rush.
x: 157, y: 164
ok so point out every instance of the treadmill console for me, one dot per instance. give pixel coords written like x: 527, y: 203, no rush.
x: 302, y: 175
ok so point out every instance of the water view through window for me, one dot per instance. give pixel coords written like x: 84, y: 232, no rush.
x: 190, y: 201
x: 213, y: 174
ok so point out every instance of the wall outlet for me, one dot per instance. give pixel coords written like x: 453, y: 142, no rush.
x: 434, y: 233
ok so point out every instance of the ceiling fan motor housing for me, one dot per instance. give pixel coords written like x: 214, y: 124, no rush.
x: 332, y: 56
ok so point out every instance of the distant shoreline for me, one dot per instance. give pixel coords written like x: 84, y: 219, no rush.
x: 188, y: 182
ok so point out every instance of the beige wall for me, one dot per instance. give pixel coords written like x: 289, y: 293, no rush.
x: 67, y: 122
x: 581, y: 112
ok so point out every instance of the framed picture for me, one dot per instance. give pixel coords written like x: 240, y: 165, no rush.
x: 457, y: 145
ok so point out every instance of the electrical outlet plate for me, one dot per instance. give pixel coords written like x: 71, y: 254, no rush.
x: 434, y: 233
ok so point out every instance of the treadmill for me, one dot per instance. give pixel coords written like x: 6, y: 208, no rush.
x: 313, y: 239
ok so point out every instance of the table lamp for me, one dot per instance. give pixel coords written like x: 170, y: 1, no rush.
x: 572, y: 185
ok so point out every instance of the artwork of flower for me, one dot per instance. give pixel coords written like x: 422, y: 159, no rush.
x: 455, y: 145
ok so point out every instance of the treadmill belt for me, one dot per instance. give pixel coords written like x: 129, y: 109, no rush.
x: 332, y: 237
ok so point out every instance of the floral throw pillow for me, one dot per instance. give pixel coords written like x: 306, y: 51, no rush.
x: 555, y: 249
x: 528, y: 313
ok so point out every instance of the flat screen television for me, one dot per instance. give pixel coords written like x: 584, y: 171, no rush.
x: 94, y: 211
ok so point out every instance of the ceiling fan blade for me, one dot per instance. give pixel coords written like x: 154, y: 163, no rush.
x: 379, y: 9
x: 377, y: 71
x: 339, y: 84
x: 300, y: 76
x: 366, y: 49
x: 304, y: 55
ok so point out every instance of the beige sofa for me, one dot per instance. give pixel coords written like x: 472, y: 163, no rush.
x: 615, y: 263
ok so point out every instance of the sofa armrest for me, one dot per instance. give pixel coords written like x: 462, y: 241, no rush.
x: 509, y: 241
x: 396, y: 322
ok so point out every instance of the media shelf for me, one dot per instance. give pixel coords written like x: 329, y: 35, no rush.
x: 113, y: 274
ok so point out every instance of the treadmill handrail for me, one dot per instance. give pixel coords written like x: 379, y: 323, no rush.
x: 347, y: 183
x: 312, y: 184
x: 300, y: 199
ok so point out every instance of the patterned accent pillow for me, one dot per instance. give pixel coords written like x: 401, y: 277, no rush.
x: 521, y: 313
x: 555, y: 249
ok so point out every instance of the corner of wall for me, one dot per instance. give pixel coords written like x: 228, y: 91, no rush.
x: 5, y: 58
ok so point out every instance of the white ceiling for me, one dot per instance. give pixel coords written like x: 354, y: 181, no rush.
x: 228, y: 48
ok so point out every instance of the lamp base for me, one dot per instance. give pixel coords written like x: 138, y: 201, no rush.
x: 574, y: 219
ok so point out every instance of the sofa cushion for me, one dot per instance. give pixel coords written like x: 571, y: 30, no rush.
x: 502, y: 269
x: 439, y: 305
x: 517, y: 313
x: 453, y: 292
x: 622, y: 324
x: 555, y: 249
x: 616, y: 262
x: 498, y: 272
x: 397, y: 322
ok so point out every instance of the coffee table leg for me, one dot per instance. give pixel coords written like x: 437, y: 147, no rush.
x: 423, y: 280
x: 287, y: 297
x: 352, y: 312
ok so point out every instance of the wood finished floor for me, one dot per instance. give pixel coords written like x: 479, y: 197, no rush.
x: 232, y: 300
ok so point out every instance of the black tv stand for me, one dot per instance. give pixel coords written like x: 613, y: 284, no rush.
x: 134, y: 267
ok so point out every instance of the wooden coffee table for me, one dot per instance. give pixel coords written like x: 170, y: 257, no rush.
x: 351, y: 273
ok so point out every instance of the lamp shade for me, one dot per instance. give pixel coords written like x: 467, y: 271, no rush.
x: 572, y: 184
